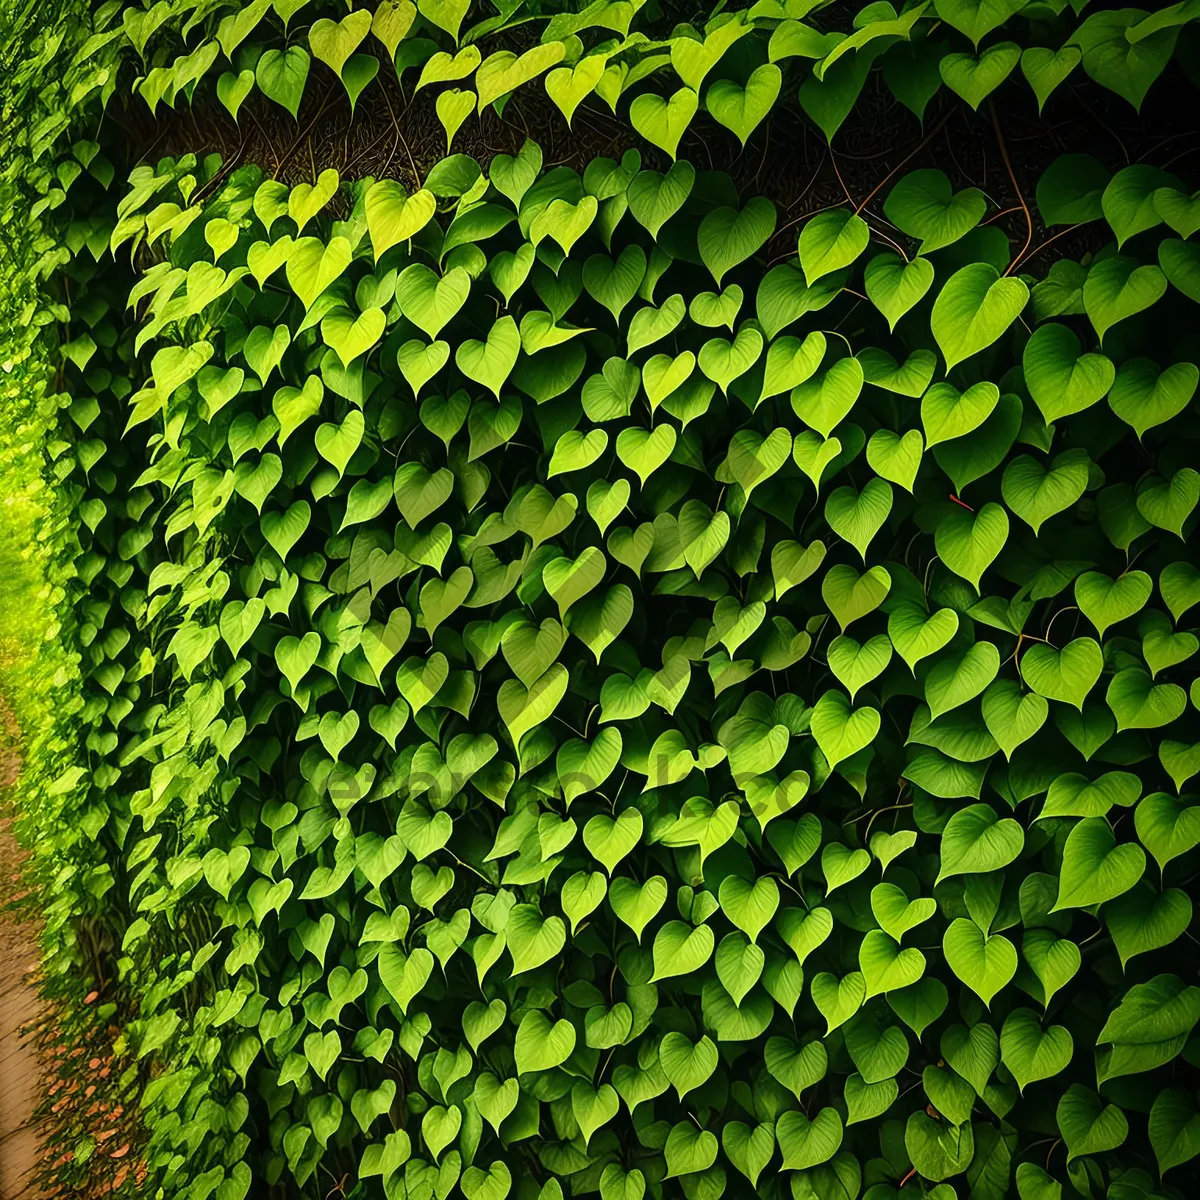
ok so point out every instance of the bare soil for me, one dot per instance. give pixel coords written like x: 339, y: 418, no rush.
x: 22, y: 1082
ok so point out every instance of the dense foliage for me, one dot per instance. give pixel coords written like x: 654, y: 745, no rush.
x: 641, y: 61
x: 573, y: 682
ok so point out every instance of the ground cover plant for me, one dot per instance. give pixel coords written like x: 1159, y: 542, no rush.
x: 572, y: 675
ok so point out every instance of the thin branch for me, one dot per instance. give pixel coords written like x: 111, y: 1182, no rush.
x: 1016, y: 187
x: 837, y: 172
x: 1020, y: 261
x: 914, y: 151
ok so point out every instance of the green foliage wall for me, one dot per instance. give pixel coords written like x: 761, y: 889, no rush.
x: 655, y: 65
x: 589, y: 690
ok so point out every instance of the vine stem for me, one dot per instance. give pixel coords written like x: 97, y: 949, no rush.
x: 914, y: 151
x: 841, y: 181
x: 1022, y: 259
x: 1069, y: 608
x: 1016, y: 188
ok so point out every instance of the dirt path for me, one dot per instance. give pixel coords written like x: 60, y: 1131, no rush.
x: 21, y: 1081
x: 20, y: 1071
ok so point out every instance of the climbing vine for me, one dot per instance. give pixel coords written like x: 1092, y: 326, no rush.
x: 578, y: 681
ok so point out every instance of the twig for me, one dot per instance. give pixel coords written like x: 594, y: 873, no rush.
x: 1016, y: 188
x: 403, y: 142
x: 837, y: 172
x: 1021, y: 261
x: 914, y: 151
x: 301, y: 136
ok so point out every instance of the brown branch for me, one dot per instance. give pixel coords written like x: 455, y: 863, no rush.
x: 914, y: 151
x: 300, y: 137
x: 1016, y: 188
x: 833, y: 161
x: 1020, y: 260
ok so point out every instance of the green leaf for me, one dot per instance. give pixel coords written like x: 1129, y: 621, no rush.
x: 1129, y: 200
x: 727, y: 236
x: 923, y: 205
x: 393, y: 216
x: 541, y: 1043
x: 1174, y: 1128
x: 1143, y: 396
x: 1106, y: 602
x: 281, y: 75
x: 1012, y: 717
x: 724, y: 361
x: 974, y: 309
x: 1180, y: 263
x: 896, y: 458
x: 850, y: 596
x: 1036, y: 494
x: 937, y: 1149
x: 312, y: 266
x: 806, y: 1143
x: 1167, y: 826
x: 1068, y: 674
x: 702, y: 534
x: 749, y: 1150
x: 1045, y: 69
x: 643, y: 451
x: 986, y: 964
x: 1089, y: 1126
x: 568, y: 87
x: 974, y: 1053
x: 976, y: 18
x: 1071, y: 188
x: 333, y: 42
x: 1117, y: 288
x: 830, y: 241
x: 686, y: 1065
x: 742, y: 109
x: 637, y: 906
x: 955, y: 681
x: 886, y: 968
x: 614, y: 284
x: 504, y: 71
x: 750, y: 906
x: 856, y: 665
x: 689, y: 1150
x: 916, y: 634
x: 490, y: 362
x: 894, y: 911
x: 428, y: 301
x: 610, y: 839
x: 968, y: 543
x: 857, y: 517
x: 1148, y: 1028
x: 975, y: 77
x: 662, y: 121
x: 1030, y: 1052
x: 1061, y: 380
x: 679, y: 950
x: 841, y: 731
x: 532, y: 939
x: 824, y: 400
x: 976, y: 841
x: 522, y: 708
x: 336, y: 443
x: 895, y: 286
x: 1094, y: 868
x: 445, y: 14
x: 782, y: 297
x: 654, y: 198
